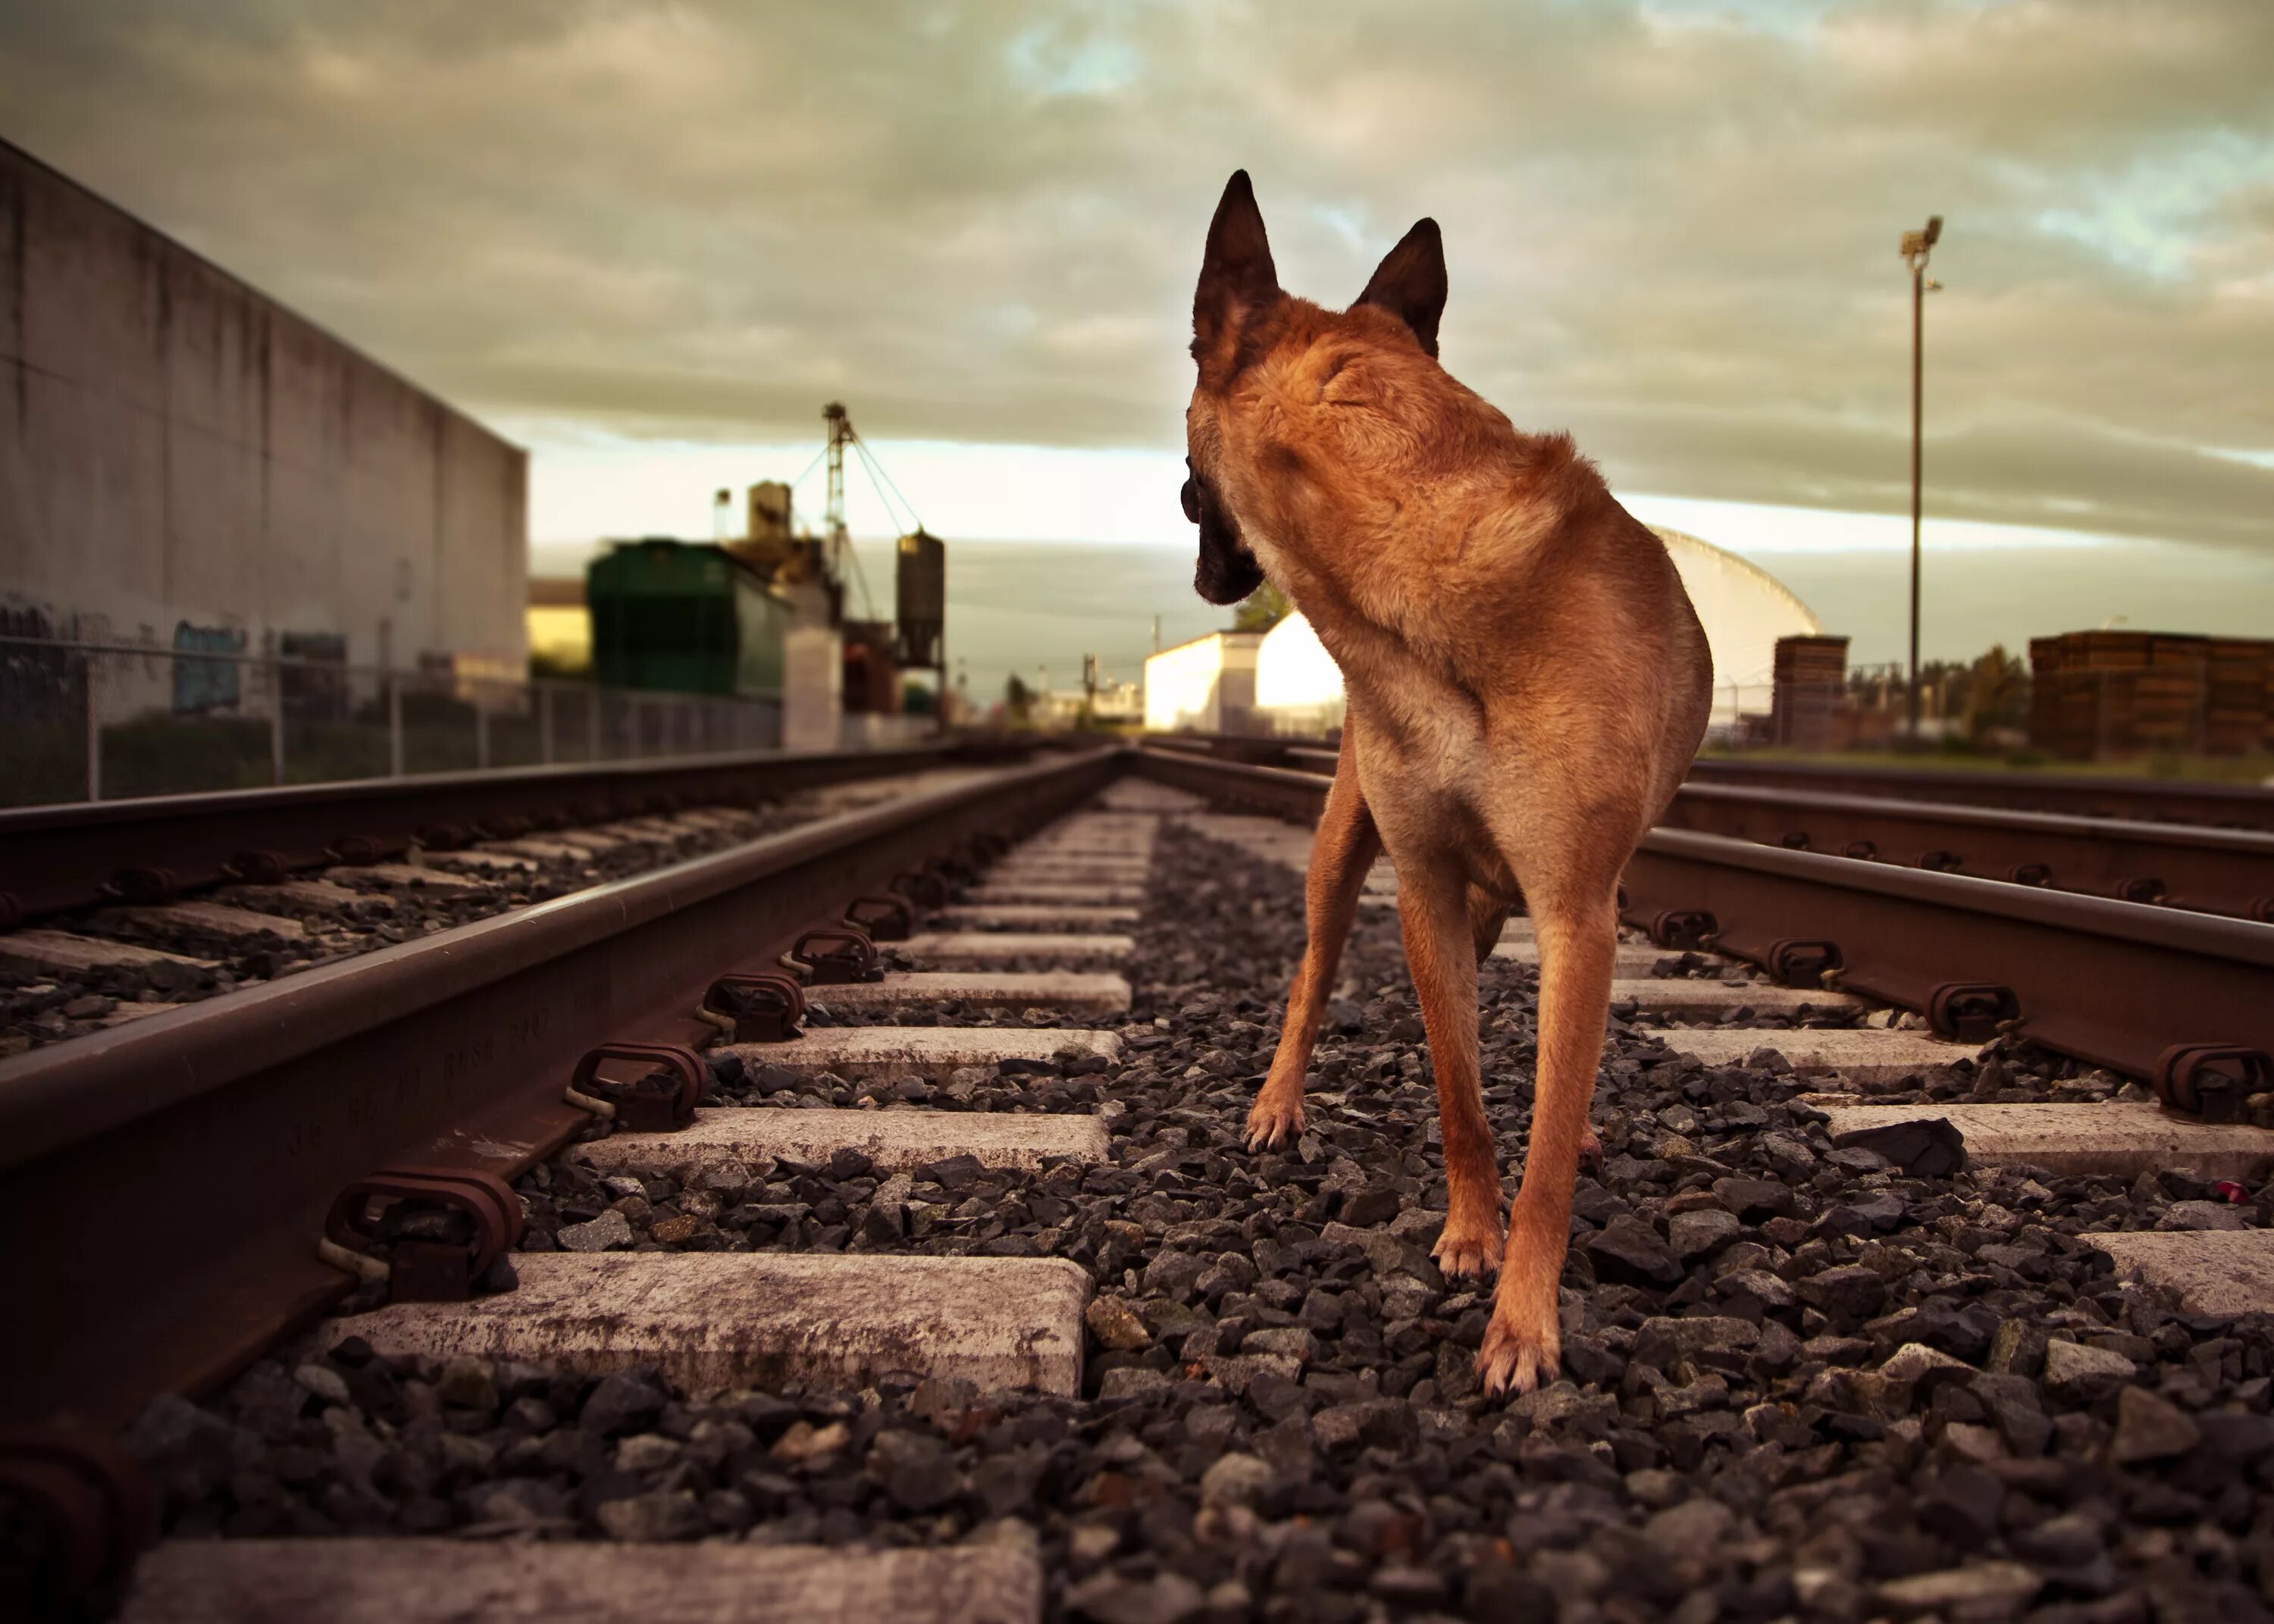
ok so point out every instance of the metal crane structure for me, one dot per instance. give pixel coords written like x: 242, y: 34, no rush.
x: 834, y: 531
x: 917, y: 640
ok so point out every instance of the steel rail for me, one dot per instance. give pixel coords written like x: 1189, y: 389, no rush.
x: 2187, y: 866
x: 77, y: 855
x: 2119, y: 984
x: 2077, y: 794
x: 2155, y: 801
x: 1274, y: 792
x: 162, y: 1184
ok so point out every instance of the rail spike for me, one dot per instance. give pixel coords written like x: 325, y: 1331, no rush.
x: 1970, y: 1011
x: 79, y: 1510
x: 661, y: 1101
x: 444, y: 1227
x: 2213, y: 1081
x: 885, y: 919
x: 1800, y: 962
x: 1683, y: 930
x: 761, y: 1008
x: 836, y: 957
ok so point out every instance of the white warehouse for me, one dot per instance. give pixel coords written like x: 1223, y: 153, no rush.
x: 1205, y: 686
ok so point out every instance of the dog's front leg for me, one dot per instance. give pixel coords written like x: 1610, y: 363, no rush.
x: 1523, y: 1344
x: 1342, y: 851
x: 1440, y: 941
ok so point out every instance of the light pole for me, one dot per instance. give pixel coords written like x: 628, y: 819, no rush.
x: 1916, y: 247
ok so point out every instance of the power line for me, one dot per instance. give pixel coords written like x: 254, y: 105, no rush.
x: 878, y: 480
x: 877, y: 472
x: 809, y: 467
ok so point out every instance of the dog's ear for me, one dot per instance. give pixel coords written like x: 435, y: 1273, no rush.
x: 1237, y: 275
x: 1409, y: 283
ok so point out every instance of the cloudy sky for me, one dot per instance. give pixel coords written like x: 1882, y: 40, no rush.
x: 650, y: 239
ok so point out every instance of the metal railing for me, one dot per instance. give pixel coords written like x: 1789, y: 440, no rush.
x: 93, y: 721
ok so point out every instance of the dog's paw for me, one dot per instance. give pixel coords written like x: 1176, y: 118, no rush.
x: 1523, y: 1349
x: 1272, y: 1122
x: 1468, y: 1248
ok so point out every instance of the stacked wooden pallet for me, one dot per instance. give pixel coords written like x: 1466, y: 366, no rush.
x: 2238, y: 716
x: 1810, y: 677
x: 2116, y: 693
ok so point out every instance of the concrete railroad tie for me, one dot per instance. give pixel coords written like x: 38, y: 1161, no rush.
x: 1033, y: 916
x: 1091, y: 894
x: 2214, y: 1271
x: 485, y: 862
x: 2117, y: 1138
x: 1063, y: 869
x: 1630, y: 960
x: 1863, y: 1054
x: 58, y: 949
x: 951, y: 948
x: 713, y: 1320
x: 1144, y: 796
x: 217, y: 919
x: 893, y: 1140
x: 1056, y: 990
x: 397, y: 875
x: 464, y: 1581
x: 317, y: 896
x: 1676, y: 996
x: 908, y: 1051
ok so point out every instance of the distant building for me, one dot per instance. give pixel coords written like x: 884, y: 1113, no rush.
x: 1744, y: 610
x: 1114, y: 704
x: 559, y: 622
x: 1299, y: 687
x: 1206, y: 685
x: 186, y: 464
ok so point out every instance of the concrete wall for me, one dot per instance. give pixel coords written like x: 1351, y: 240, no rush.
x: 176, y: 449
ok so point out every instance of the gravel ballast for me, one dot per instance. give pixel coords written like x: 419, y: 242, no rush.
x: 1798, y: 1380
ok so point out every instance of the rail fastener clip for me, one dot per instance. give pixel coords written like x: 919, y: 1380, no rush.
x: 442, y: 1227
x: 763, y: 1007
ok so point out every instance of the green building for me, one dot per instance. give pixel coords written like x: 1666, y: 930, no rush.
x: 684, y: 618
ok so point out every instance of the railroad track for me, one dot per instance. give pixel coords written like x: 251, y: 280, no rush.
x: 112, y: 913
x: 2088, y: 795
x: 2154, y: 801
x: 965, y: 1301
x: 2059, y: 929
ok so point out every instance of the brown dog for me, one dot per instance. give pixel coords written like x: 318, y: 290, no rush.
x: 1525, y: 683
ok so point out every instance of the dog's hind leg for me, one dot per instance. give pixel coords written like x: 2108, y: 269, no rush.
x: 1578, y: 934
x: 1342, y: 851
x: 1440, y: 942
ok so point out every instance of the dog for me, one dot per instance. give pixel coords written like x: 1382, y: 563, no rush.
x: 1525, y: 683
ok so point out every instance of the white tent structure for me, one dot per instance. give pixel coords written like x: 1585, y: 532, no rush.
x: 1299, y: 687
x: 1744, y: 610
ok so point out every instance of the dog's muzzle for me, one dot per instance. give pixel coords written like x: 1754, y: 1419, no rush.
x: 1226, y: 571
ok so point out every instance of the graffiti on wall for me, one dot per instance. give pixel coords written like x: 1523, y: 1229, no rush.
x: 203, y: 686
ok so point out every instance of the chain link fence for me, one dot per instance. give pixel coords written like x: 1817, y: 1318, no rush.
x: 88, y: 721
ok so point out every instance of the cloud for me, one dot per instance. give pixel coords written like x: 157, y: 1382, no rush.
x: 1671, y: 224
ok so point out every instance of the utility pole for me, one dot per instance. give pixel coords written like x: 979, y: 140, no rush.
x: 1916, y: 247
